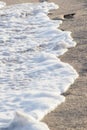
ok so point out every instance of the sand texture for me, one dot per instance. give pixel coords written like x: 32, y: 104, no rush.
x: 72, y: 114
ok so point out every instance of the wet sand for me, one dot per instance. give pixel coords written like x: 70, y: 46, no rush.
x: 72, y: 114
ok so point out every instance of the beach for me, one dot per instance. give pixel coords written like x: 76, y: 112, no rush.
x: 72, y: 114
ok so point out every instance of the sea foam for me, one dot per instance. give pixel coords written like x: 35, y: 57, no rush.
x: 23, y: 122
x: 32, y: 77
x: 2, y: 4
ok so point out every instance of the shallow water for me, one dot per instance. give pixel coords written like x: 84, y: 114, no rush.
x: 32, y: 77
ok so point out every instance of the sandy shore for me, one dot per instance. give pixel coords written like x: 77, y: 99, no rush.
x: 72, y: 114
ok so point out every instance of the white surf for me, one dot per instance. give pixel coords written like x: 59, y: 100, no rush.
x: 32, y: 77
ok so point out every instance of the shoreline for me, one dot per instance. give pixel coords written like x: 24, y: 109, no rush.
x: 71, y: 115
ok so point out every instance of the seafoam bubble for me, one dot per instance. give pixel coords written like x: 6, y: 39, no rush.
x: 32, y: 77
x: 2, y: 4
x: 23, y: 122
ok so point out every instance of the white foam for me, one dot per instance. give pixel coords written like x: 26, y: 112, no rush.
x: 2, y: 4
x: 32, y: 76
x: 23, y: 122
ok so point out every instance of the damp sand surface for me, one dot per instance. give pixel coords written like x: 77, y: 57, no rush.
x: 72, y: 114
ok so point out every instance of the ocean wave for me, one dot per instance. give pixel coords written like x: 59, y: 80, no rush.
x: 32, y: 76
